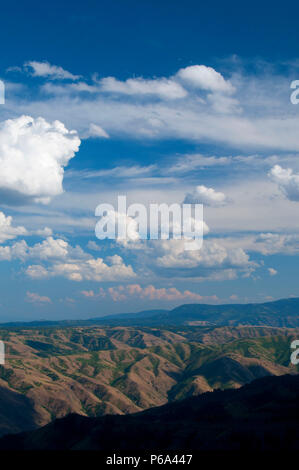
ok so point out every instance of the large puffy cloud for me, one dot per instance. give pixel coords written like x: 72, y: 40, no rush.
x: 205, y: 78
x: 49, y: 249
x: 206, y: 196
x: 265, y: 243
x: 166, y: 258
x: 273, y: 243
x: 67, y: 261
x: 214, y: 261
x: 95, y: 269
x: 287, y: 180
x: 33, y: 154
x: 212, y: 255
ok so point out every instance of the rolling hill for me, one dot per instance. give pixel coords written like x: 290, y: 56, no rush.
x: 261, y: 416
x: 94, y: 371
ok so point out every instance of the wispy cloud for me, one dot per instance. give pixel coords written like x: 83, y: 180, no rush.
x: 126, y: 292
x: 36, y: 298
x: 242, y: 111
x: 52, y: 72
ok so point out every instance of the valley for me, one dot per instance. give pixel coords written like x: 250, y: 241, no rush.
x: 98, y: 370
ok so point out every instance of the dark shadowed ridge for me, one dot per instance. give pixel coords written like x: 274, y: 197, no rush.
x: 16, y: 412
x: 262, y: 415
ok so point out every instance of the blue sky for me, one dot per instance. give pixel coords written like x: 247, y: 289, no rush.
x: 164, y: 102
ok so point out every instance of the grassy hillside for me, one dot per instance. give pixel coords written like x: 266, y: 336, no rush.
x: 94, y: 371
x: 261, y: 416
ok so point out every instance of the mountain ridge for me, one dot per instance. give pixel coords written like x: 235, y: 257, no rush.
x: 262, y: 415
x: 279, y: 313
x: 101, y: 370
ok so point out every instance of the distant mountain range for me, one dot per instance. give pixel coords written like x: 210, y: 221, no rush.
x: 127, y: 363
x: 280, y: 313
x: 260, y: 416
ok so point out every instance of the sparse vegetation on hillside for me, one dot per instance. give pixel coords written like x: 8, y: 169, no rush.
x: 117, y: 370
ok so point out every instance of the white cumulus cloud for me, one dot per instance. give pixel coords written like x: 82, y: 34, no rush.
x: 33, y: 154
x: 122, y: 293
x: 287, y: 180
x: 205, y: 78
x: 206, y: 196
x: 63, y: 260
x: 7, y: 230
x: 95, y: 269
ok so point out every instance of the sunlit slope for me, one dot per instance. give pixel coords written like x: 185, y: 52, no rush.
x: 94, y: 371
